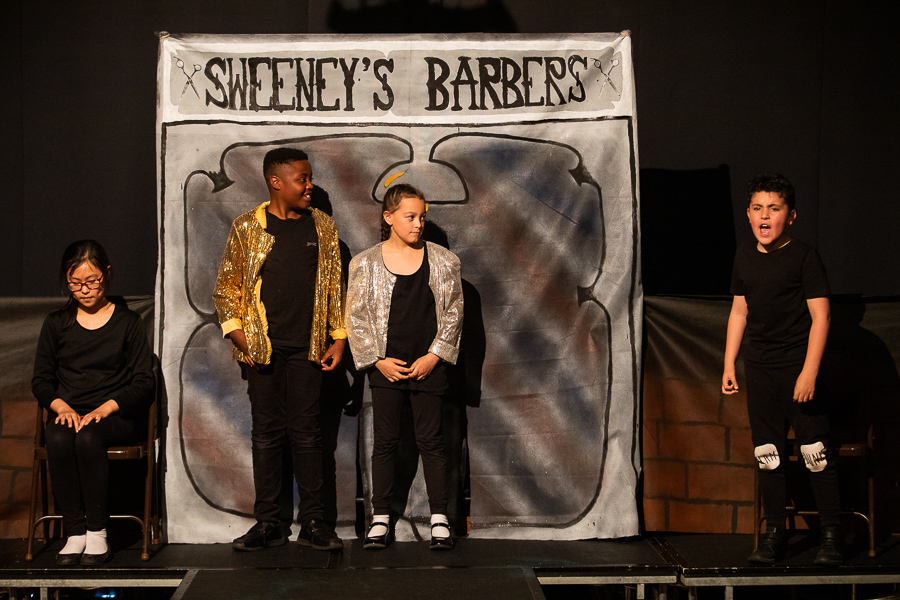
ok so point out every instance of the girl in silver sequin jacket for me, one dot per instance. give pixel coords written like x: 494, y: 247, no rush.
x: 369, y: 305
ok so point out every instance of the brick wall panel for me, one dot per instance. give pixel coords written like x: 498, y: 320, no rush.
x: 733, y: 410
x: 6, y: 491
x: 745, y: 519
x: 14, y: 520
x: 18, y: 418
x: 720, y: 482
x: 700, y: 517
x: 690, y: 402
x: 653, y: 399
x: 16, y: 452
x: 655, y: 515
x: 14, y: 526
x: 692, y: 442
x: 665, y: 478
x: 740, y: 446
x: 650, y: 441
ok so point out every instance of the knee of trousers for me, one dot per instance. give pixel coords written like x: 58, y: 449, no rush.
x: 269, y: 440
x: 767, y: 457
x: 306, y: 442
x: 433, y: 448
x: 385, y: 448
x: 815, y: 456
x: 308, y: 435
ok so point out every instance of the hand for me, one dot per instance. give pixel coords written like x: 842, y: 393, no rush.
x: 729, y: 382
x: 393, y: 369
x: 239, y: 339
x: 423, y: 366
x: 65, y: 415
x: 98, y: 414
x: 334, y: 354
x: 805, y: 388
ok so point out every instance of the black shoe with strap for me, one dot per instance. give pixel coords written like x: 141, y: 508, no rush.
x: 771, y: 546
x: 262, y: 535
x: 831, y: 549
x: 378, y: 542
x: 315, y: 533
x: 440, y: 543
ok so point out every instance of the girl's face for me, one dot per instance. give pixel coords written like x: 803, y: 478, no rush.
x: 81, y: 279
x: 408, y: 220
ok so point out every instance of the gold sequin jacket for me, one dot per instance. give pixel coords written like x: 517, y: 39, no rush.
x: 238, y: 298
x: 369, y: 305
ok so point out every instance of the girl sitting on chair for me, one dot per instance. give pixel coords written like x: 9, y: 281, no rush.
x: 93, y: 374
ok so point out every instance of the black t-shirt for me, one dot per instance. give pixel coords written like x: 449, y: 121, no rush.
x: 776, y: 286
x: 289, y: 280
x: 412, y: 327
x: 87, y: 367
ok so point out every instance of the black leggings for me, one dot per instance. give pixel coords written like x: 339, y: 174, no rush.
x: 79, y: 469
x: 387, y: 405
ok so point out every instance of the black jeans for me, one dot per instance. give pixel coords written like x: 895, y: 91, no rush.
x: 387, y: 405
x: 284, y: 405
x: 79, y: 469
x: 771, y: 408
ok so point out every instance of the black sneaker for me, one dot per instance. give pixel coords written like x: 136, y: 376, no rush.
x: 771, y: 546
x: 262, y: 535
x: 315, y: 533
x: 831, y: 550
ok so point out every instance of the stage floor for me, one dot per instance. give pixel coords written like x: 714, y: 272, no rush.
x: 476, y: 569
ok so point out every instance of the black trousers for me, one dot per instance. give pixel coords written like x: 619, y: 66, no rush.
x: 771, y: 408
x: 387, y: 405
x: 79, y: 470
x: 285, y: 407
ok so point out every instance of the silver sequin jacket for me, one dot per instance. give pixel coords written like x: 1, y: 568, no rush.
x: 369, y: 304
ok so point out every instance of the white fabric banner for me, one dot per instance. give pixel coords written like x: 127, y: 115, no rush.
x: 525, y: 147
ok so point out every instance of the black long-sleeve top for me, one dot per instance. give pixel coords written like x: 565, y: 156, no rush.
x: 87, y: 367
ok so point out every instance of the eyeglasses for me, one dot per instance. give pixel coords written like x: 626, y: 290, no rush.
x: 77, y: 286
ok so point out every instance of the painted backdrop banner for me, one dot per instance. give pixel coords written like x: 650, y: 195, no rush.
x: 525, y: 147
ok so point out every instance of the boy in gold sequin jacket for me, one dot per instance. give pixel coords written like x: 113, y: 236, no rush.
x: 238, y: 285
x: 279, y: 297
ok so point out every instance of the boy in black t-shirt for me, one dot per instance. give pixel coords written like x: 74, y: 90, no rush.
x: 279, y: 297
x: 781, y: 303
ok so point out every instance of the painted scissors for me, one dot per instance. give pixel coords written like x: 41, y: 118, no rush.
x: 614, y: 63
x: 190, y: 78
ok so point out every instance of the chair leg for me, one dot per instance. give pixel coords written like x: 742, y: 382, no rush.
x: 155, y: 531
x: 871, y: 484
x: 29, y: 555
x: 148, y: 504
x: 45, y: 503
x: 756, y: 510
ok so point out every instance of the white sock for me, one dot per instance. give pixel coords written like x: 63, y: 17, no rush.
x: 440, y: 532
x: 380, y: 525
x: 96, y: 542
x: 74, y: 545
